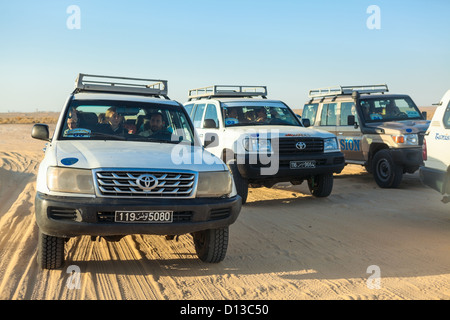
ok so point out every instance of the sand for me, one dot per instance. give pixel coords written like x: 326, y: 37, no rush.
x: 286, y: 245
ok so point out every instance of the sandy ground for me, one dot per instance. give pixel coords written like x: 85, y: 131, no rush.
x: 285, y: 245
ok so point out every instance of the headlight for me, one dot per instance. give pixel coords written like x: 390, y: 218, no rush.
x: 70, y: 180
x: 407, y: 139
x: 215, y: 184
x: 253, y: 144
x: 330, y: 144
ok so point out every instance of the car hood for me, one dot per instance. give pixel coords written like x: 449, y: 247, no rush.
x: 401, y: 127
x: 140, y: 155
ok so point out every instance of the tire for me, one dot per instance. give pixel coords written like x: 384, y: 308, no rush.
x: 240, y: 182
x: 386, y: 173
x: 211, y: 245
x: 50, y: 252
x: 321, y: 185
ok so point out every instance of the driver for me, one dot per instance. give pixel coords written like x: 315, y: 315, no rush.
x: 157, y: 127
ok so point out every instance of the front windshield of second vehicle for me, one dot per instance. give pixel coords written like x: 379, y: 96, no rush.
x: 389, y: 109
x: 126, y: 120
x: 254, y: 114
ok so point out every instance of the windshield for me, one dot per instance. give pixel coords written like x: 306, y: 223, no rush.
x: 389, y: 109
x: 126, y: 120
x: 258, y: 114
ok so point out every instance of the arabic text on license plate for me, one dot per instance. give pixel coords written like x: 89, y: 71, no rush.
x: 303, y: 164
x: 144, y: 216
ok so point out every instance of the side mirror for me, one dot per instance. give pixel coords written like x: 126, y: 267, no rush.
x: 351, y: 120
x: 40, y: 132
x: 209, y: 124
x: 211, y: 140
x: 424, y: 114
x: 306, y: 123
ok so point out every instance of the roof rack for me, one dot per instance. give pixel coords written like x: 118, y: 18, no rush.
x: 228, y: 91
x: 109, y: 84
x: 347, y: 90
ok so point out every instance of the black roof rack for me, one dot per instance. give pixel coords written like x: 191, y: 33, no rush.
x: 122, y: 85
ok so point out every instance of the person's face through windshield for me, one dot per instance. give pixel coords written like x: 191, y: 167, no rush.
x: 156, y: 123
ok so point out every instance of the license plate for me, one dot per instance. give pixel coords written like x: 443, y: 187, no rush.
x: 303, y: 164
x: 144, y: 216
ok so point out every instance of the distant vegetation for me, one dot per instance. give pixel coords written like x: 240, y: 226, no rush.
x: 29, y: 117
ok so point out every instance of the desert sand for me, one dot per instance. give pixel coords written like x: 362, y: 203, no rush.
x: 286, y: 245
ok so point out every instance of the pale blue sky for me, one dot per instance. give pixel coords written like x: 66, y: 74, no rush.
x: 290, y: 46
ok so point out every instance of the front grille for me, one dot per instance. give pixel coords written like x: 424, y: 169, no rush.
x: 289, y: 145
x: 131, y: 184
x: 178, y: 216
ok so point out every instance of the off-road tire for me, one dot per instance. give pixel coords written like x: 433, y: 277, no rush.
x: 50, y: 253
x: 387, y: 174
x: 240, y: 182
x: 321, y: 185
x: 211, y: 245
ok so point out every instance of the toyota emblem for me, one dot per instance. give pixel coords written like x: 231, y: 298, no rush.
x: 300, y: 145
x: 147, y: 182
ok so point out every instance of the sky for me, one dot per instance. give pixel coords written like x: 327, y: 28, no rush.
x: 290, y: 46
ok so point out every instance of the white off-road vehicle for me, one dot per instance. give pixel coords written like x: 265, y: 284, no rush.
x: 263, y: 141
x: 436, y: 150
x: 124, y: 159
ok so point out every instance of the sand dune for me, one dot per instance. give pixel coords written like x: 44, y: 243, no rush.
x: 285, y: 245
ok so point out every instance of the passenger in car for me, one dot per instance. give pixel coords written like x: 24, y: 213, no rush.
x: 114, y: 121
x: 157, y: 127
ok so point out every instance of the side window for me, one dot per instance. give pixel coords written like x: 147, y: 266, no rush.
x: 198, y: 115
x: 447, y: 117
x: 328, y: 115
x: 211, y: 118
x: 188, y: 108
x: 310, y: 112
x: 347, y: 109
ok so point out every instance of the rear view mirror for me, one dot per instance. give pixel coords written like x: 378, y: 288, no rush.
x: 40, y: 132
x: 306, y: 123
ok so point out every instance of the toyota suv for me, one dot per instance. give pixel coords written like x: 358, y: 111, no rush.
x: 436, y: 149
x: 262, y: 141
x: 383, y: 132
x: 124, y: 159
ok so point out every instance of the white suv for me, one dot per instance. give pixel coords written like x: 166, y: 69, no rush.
x: 263, y: 141
x: 436, y: 150
x: 113, y: 168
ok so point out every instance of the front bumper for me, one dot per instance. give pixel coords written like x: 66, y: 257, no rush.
x: 436, y: 179
x: 408, y: 157
x: 279, y: 167
x: 70, y: 217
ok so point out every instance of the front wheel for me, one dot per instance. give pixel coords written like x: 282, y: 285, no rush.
x: 321, y: 185
x: 50, y: 251
x: 386, y: 173
x: 211, y: 245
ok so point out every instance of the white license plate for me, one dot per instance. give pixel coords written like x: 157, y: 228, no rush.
x: 303, y: 164
x: 144, y: 216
